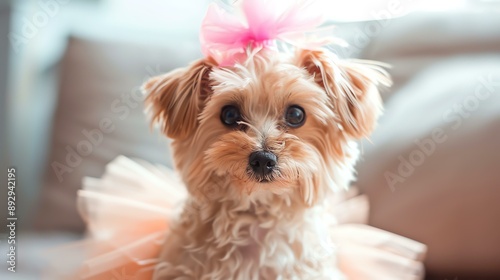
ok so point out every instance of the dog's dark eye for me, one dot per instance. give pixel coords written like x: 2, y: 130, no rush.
x: 295, y: 116
x: 230, y: 115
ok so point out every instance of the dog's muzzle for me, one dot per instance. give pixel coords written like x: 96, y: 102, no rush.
x: 262, y: 163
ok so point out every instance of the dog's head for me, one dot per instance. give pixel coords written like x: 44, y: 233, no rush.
x: 274, y: 124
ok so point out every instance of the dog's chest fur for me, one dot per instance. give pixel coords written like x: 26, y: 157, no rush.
x: 250, y: 240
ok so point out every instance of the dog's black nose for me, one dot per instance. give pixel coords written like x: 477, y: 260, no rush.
x: 262, y: 162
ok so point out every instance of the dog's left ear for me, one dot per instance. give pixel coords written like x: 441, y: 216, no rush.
x: 351, y: 86
x: 176, y: 98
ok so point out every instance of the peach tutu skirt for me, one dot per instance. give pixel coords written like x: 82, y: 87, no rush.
x: 128, y: 210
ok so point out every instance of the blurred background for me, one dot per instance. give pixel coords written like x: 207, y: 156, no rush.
x: 70, y: 72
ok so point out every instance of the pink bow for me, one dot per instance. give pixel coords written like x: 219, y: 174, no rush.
x: 226, y: 37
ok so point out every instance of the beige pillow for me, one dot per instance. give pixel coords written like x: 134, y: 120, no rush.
x: 432, y: 168
x: 432, y: 172
x: 100, y: 115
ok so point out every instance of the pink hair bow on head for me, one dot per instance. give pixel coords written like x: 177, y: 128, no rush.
x: 256, y: 24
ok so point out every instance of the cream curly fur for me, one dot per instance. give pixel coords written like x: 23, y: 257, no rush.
x: 234, y: 226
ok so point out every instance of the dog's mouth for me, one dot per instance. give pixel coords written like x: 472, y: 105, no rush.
x: 265, y: 180
x: 260, y: 178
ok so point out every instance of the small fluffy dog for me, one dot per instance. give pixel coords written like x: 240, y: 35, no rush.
x: 262, y: 147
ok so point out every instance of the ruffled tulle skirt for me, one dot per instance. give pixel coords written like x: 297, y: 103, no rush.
x: 128, y: 210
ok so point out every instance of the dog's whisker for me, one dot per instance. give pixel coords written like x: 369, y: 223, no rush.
x: 249, y: 125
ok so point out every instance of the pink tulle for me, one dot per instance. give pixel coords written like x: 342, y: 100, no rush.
x: 255, y: 24
x: 128, y: 213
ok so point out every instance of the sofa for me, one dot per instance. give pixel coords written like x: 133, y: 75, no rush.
x: 430, y: 170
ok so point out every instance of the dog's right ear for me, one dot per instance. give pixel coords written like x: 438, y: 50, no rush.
x: 176, y: 98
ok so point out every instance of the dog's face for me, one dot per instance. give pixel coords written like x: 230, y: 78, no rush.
x: 273, y: 125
